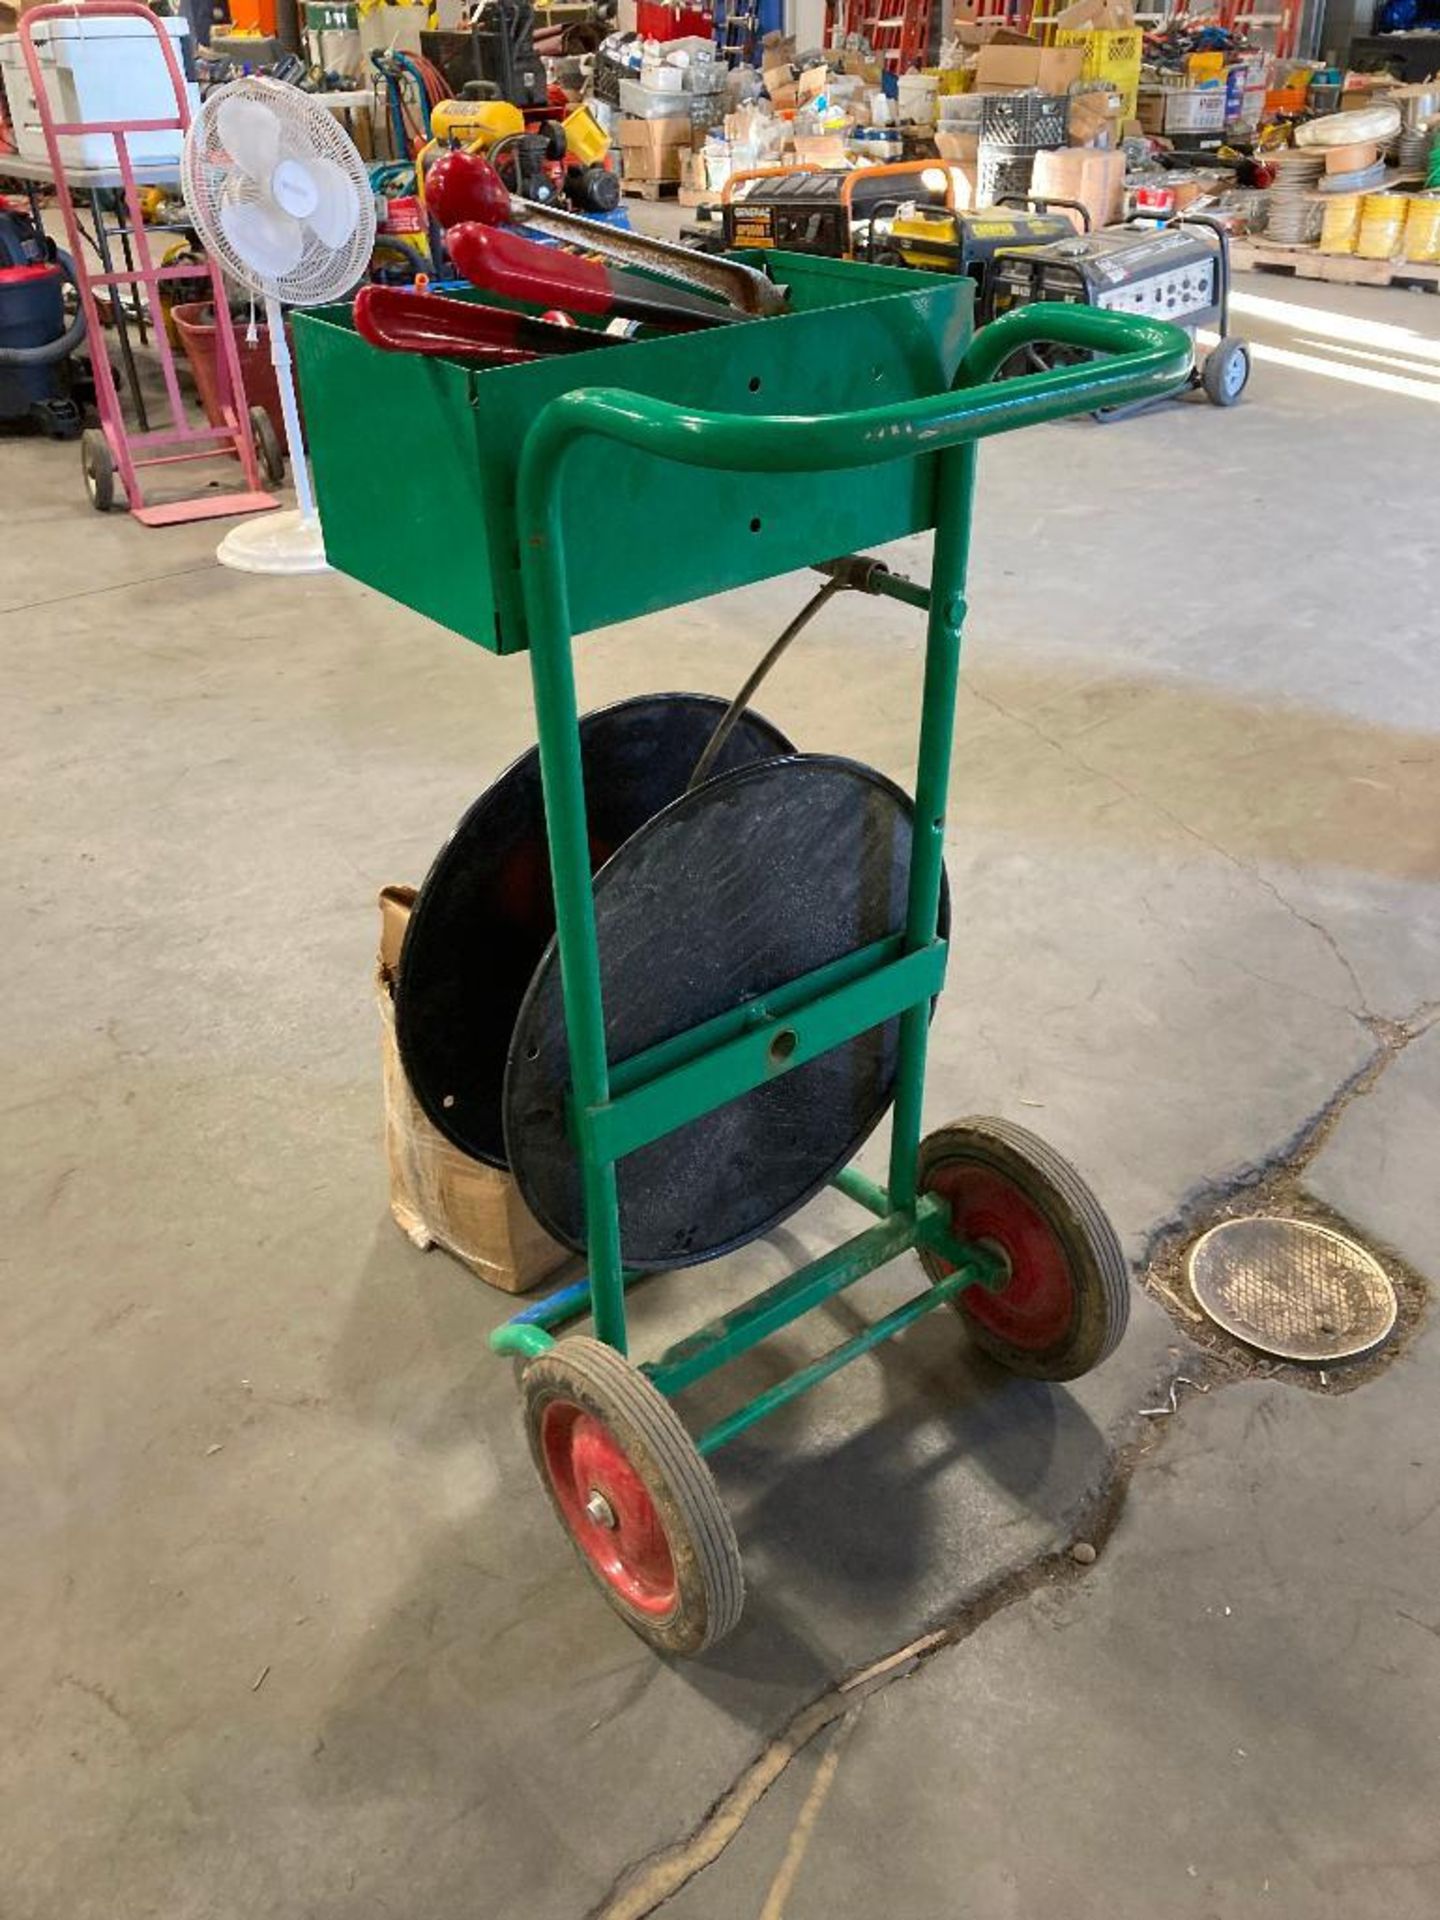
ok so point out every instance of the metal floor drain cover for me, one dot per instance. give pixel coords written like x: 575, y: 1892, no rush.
x: 1292, y: 1288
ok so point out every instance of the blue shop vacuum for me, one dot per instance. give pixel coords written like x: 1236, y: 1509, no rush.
x: 38, y: 382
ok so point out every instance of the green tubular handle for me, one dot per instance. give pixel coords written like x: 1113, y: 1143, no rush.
x: 1144, y: 360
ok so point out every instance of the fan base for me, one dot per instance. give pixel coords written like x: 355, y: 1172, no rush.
x: 277, y: 543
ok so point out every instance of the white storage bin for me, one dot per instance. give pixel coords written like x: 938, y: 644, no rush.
x: 642, y: 103
x: 96, y: 69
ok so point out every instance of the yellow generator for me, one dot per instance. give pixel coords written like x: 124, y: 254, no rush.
x: 944, y: 240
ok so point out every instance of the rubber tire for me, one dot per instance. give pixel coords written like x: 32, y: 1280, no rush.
x: 1098, y: 1271
x: 1214, y: 374
x: 709, y: 1576
x: 98, y: 468
x: 267, y: 447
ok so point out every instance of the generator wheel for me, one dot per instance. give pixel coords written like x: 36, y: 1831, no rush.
x: 268, y: 447
x: 1226, y: 372
x: 630, y: 1488
x: 1066, y: 1300
x: 98, y: 466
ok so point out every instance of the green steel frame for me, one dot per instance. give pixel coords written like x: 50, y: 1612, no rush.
x: 618, y: 1107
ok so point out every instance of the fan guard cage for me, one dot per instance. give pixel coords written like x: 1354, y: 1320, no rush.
x: 211, y: 179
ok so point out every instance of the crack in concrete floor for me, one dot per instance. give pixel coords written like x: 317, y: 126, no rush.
x: 1360, y: 1011
x: 645, y: 1886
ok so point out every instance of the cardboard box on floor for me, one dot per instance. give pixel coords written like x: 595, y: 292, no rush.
x: 963, y: 147
x: 1094, y: 176
x: 439, y: 1196
x: 653, y: 149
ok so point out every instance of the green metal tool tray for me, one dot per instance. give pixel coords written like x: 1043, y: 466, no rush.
x: 416, y: 462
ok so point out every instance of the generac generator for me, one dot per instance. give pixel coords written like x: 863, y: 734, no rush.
x: 1177, y: 271
x: 824, y: 210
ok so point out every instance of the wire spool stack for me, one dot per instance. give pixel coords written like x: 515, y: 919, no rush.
x: 1296, y: 209
x: 1014, y: 127
x: 1419, y: 107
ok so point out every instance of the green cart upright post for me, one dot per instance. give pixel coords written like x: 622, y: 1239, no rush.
x: 991, y: 1210
x: 1003, y: 1228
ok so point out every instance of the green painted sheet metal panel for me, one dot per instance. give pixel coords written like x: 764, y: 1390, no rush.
x: 416, y: 459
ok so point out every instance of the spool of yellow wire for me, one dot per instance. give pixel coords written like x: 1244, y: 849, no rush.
x: 1382, y: 226
x: 1422, y: 228
x: 1341, y: 226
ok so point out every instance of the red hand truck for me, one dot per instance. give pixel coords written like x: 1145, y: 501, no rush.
x: 112, y: 451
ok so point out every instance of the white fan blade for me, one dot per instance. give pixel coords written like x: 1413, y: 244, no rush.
x: 336, y: 215
x: 265, y: 237
x: 251, y: 133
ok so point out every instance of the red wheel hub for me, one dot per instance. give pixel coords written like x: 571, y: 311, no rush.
x: 607, y: 1507
x: 1034, y: 1308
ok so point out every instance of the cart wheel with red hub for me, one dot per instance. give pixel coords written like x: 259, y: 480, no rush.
x: 1065, y: 1300
x: 635, y: 1496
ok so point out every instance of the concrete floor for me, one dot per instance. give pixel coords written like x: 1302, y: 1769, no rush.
x: 287, y: 1625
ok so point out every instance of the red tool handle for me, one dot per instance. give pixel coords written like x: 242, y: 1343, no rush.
x: 507, y: 263
x: 406, y: 322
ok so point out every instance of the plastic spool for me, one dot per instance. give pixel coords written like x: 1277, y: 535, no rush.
x: 1422, y: 229
x: 1413, y: 149
x: 1295, y: 206
x: 1378, y: 124
x: 1361, y: 180
x: 1382, y: 225
x: 1341, y: 226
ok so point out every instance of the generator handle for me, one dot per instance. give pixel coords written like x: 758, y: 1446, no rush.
x: 1139, y: 360
x: 1222, y: 265
x: 1043, y: 202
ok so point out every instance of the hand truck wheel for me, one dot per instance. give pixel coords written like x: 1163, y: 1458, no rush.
x: 1226, y: 372
x: 635, y: 1496
x: 268, y: 447
x: 1064, y: 1305
x: 98, y: 466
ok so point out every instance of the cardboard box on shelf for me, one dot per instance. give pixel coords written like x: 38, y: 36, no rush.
x: 1150, y: 112
x: 1106, y: 16
x: 440, y: 1197
x: 968, y: 31
x: 650, y: 150
x: 1092, y: 175
x: 1005, y: 67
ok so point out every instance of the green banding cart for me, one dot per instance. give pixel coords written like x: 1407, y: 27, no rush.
x: 480, y: 515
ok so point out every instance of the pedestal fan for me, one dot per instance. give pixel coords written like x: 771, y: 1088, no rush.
x: 279, y: 196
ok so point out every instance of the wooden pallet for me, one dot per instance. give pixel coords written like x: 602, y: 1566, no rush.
x: 650, y: 189
x: 1308, y: 263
